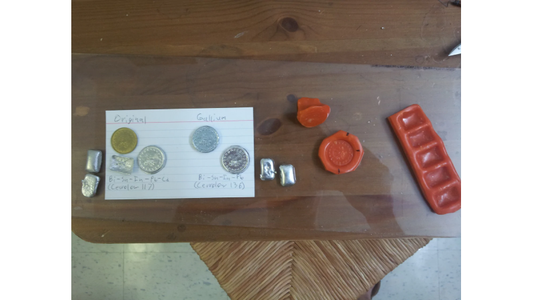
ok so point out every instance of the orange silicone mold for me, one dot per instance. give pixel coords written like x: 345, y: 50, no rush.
x: 434, y: 170
x: 341, y: 152
x: 311, y: 112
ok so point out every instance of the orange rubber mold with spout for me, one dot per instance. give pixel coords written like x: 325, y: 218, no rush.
x: 311, y: 112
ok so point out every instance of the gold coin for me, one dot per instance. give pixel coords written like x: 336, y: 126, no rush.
x: 124, y: 140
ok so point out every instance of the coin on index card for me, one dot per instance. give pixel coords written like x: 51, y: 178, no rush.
x: 124, y: 140
x: 235, y: 159
x: 151, y: 159
x: 205, y: 139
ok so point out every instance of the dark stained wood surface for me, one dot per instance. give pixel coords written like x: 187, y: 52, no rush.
x: 111, y: 231
x: 385, y: 32
x: 379, y: 199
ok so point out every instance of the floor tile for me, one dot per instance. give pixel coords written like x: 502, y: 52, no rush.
x: 450, y: 274
x: 169, y: 276
x: 81, y: 246
x: 432, y: 245
x: 97, y: 276
x: 449, y: 244
x: 159, y: 248
x: 174, y: 271
x: 415, y: 279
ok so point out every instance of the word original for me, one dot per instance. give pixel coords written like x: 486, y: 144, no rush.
x: 129, y: 119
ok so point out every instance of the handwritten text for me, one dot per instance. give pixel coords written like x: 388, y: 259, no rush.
x: 131, y: 187
x: 210, y: 118
x: 130, y: 119
x: 139, y: 179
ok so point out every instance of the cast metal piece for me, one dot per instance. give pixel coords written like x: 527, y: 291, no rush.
x: 94, y: 161
x: 89, y: 185
x: 287, y: 175
x: 121, y: 164
x: 235, y: 159
x: 267, y: 169
x: 151, y: 159
x: 205, y: 139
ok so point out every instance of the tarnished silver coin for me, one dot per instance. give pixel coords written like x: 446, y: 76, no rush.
x: 151, y: 159
x: 235, y: 159
x: 205, y: 139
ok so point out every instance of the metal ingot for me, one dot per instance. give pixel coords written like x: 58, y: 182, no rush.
x: 89, y: 185
x: 94, y: 161
x: 287, y: 175
x: 121, y: 164
x: 267, y: 169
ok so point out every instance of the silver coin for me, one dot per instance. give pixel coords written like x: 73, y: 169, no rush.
x: 235, y: 159
x: 205, y: 139
x: 151, y: 159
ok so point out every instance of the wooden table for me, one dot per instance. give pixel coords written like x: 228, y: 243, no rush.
x: 388, y: 32
x: 141, y: 61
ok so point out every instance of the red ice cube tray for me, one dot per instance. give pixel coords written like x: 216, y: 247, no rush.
x: 433, y: 168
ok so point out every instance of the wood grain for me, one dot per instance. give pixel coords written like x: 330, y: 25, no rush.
x: 117, y: 231
x: 385, y: 32
x: 380, y: 199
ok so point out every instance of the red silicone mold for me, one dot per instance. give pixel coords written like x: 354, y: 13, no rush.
x: 434, y: 170
x: 341, y: 152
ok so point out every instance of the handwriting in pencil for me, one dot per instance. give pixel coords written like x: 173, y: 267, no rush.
x: 219, y: 185
x: 131, y: 187
x: 130, y: 119
x: 210, y: 118
x: 140, y: 179
x: 221, y: 177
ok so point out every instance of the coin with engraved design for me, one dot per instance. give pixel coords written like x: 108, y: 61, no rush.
x: 151, y: 159
x: 235, y: 159
x: 205, y: 139
x: 124, y: 140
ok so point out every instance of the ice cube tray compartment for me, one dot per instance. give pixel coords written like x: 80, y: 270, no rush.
x: 434, y: 171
